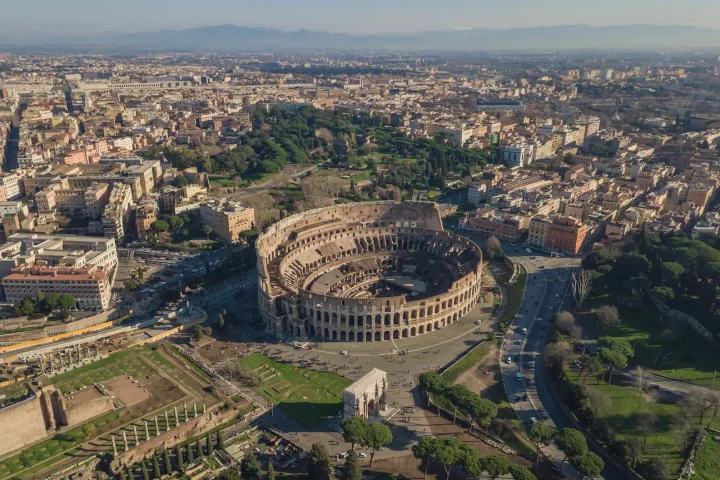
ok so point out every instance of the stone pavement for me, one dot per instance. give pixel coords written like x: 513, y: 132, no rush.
x: 431, y: 351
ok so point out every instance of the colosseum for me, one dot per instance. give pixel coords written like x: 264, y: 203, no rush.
x: 365, y: 272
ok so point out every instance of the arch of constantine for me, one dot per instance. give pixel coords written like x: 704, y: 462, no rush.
x: 365, y: 272
x: 366, y: 397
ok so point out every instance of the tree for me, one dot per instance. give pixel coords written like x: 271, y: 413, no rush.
x: 198, y: 332
x: 657, y: 469
x: 590, y: 363
x: 640, y: 376
x: 220, y: 440
x: 199, y: 449
x: 209, y: 444
x: 159, y: 226
x: 167, y: 462
x: 448, y: 452
x: 496, y: 466
x: 519, y: 472
x: 88, y: 429
x: 208, y: 230
x: 426, y: 450
x: 581, y: 286
x: 229, y: 474
x: 270, y: 474
x: 378, y: 435
x: 494, y: 248
x: 572, y: 443
x: 664, y: 294
x: 564, y: 321
x: 319, y: 464
x: 478, y: 408
x: 144, y: 470
x: 221, y: 320
x: 66, y: 302
x: 354, y: 430
x: 250, y: 468
x: 180, y: 181
x: 588, y: 465
x: 191, y: 454
x: 352, y: 467
x: 40, y: 296
x: 175, y: 222
x: 607, y: 317
x: 634, y: 450
x: 157, y: 473
x: 597, y: 401
x: 556, y: 353
x: 180, y: 460
x: 645, y: 423
x: 613, y: 358
x: 540, y: 434
x: 701, y: 400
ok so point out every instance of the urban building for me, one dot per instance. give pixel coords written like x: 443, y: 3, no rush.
x: 227, y: 219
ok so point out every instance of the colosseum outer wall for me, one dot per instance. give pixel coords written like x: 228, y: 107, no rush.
x: 306, y: 245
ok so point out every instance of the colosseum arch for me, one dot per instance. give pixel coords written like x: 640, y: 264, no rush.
x: 365, y: 272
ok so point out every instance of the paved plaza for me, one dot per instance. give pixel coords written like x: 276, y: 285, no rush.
x: 403, y: 360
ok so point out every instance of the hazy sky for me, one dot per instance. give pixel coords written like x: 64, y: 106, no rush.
x: 350, y: 16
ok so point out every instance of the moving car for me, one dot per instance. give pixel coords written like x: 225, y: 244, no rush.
x: 518, y: 376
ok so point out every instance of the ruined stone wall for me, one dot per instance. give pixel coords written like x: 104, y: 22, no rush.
x: 85, y: 411
x: 194, y: 428
x: 21, y: 424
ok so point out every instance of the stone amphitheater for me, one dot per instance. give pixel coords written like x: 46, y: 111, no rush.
x: 365, y: 272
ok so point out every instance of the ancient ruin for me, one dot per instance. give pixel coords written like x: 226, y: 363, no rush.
x: 365, y: 272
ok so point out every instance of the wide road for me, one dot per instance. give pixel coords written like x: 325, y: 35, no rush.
x: 548, y: 288
x: 547, y: 292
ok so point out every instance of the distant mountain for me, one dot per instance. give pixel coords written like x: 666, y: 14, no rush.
x: 237, y: 38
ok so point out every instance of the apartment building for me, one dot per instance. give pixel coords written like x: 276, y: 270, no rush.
x: 13, y: 186
x: 58, y: 252
x: 117, y: 212
x: 145, y: 216
x: 537, y: 231
x: 566, y: 234
x: 227, y: 219
x: 496, y: 223
x: 90, y: 286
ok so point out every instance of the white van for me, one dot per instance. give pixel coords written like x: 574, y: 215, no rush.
x: 524, y: 331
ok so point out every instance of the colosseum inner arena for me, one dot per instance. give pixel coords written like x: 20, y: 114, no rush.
x: 365, y: 272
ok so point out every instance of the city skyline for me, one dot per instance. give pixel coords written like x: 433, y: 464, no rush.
x: 403, y: 16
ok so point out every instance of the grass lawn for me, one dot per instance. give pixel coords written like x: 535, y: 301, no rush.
x: 226, y: 182
x: 514, y: 294
x: 707, y: 460
x: 305, y: 395
x: 126, y: 362
x: 689, y: 357
x: 192, y: 364
x: 621, y: 417
x: 467, y: 362
x: 361, y: 177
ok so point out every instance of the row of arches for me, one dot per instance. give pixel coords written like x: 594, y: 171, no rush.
x: 378, y: 336
x: 328, y: 333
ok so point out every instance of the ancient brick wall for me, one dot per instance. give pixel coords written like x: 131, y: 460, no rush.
x: 85, y: 411
x: 21, y: 424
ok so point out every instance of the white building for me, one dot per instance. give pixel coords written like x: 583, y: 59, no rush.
x: 12, y: 184
x: 366, y: 397
x: 519, y: 155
